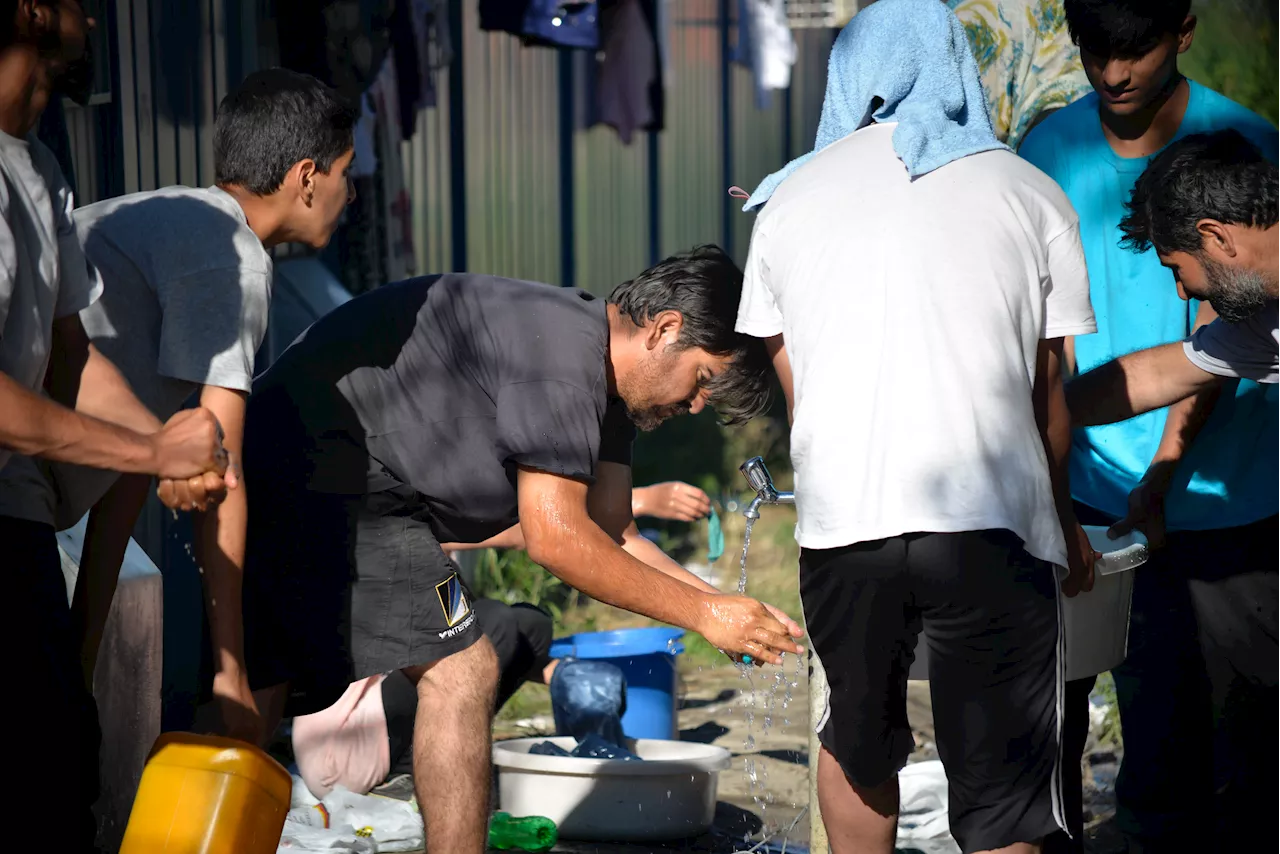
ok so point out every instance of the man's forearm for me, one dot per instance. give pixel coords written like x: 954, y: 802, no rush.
x: 1133, y: 384
x: 648, y: 553
x: 106, y: 394
x: 81, y: 378
x: 35, y: 426
x: 512, y: 538
x: 220, y: 546
x: 1054, y: 422
x: 589, y: 560
x: 106, y: 538
x: 1186, y: 417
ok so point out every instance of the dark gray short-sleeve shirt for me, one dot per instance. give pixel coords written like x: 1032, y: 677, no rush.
x: 1247, y: 349
x: 446, y: 384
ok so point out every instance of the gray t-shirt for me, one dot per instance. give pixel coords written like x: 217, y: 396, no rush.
x: 43, y: 273
x: 186, y: 289
x: 444, y: 384
x: 1247, y: 350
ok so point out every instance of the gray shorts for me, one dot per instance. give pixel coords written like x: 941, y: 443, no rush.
x: 337, y: 588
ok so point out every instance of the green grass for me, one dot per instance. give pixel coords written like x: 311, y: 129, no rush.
x: 1109, y: 734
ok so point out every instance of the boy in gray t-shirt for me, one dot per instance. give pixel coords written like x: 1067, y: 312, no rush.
x: 186, y: 286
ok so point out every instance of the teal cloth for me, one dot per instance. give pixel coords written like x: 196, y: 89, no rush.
x: 715, y: 537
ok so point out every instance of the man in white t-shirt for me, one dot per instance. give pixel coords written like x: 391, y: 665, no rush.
x: 914, y: 280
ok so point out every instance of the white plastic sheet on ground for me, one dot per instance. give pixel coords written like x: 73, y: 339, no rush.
x: 357, y: 824
x: 922, y: 812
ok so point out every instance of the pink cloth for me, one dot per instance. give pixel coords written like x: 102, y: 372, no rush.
x: 346, y: 743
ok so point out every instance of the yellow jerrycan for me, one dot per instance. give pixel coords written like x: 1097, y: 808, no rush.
x: 203, y: 794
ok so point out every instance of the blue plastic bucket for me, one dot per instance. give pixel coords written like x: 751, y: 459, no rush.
x: 647, y: 658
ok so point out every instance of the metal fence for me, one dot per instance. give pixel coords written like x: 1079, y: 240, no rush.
x: 502, y: 181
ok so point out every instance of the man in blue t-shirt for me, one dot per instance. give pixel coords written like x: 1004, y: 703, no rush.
x: 1215, y: 497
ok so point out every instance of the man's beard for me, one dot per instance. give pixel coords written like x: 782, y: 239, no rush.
x: 650, y: 418
x: 1235, y: 293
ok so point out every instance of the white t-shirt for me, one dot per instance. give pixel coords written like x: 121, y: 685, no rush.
x: 912, y: 312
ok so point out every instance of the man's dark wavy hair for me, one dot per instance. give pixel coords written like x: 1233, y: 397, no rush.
x: 1218, y: 175
x: 705, y: 286
x: 1127, y: 28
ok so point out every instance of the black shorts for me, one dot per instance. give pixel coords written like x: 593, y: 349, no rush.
x: 340, y: 587
x: 990, y: 616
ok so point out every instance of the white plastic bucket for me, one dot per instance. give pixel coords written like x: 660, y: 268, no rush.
x: 671, y: 795
x: 1096, y: 624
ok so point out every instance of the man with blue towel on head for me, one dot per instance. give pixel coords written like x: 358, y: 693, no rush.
x: 914, y: 281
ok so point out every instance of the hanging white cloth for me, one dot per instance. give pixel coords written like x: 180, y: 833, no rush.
x: 765, y: 45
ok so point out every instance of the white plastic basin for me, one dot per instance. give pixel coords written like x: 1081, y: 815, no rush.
x: 1096, y: 624
x: 671, y: 795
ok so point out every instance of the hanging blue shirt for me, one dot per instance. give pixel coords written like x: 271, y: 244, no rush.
x: 1228, y: 476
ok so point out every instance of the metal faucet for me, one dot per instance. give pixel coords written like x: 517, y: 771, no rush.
x: 758, y: 477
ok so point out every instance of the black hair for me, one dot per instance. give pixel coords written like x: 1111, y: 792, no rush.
x: 705, y: 286
x: 1126, y: 28
x: 275, y: 119
x: 1218, y: 175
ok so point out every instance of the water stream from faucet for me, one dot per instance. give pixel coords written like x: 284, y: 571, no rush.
x: 758, y: 772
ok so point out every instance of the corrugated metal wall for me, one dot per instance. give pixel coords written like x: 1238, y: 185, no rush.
x: 545, y: 200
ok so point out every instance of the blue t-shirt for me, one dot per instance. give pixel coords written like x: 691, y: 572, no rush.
x: 1228, y: 476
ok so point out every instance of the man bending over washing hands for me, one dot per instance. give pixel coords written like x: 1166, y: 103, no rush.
x: 447, y: 409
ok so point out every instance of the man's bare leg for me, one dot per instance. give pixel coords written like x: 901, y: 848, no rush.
x: 858, y: 820
x: 451, y: 747
x: 865, y: 821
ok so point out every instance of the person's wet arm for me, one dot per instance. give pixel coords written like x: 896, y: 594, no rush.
x: 562, y: 537
x: 220, y: 535
x: 609, y: 504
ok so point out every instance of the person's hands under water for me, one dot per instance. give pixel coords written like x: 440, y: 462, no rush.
x: 673, y: 501
x: 1081, y: 558
x: 194, y: 468
x: 740, y: 626
x: 1146, y: 505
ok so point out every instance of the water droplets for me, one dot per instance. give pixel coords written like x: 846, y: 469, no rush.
x: 742, y: 566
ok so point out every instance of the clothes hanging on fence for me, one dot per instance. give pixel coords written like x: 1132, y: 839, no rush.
x: 404, y: 54
x: 766, y: 46
x: 434, y: 46
x: 341, y: 42
x: 396, y: 210
x: 622, y: 85
x: 628, y: 70
x: 364, y: 161
x: 545, y: 23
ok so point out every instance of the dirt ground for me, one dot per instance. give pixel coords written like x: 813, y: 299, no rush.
x: 714, y: 710
x: 716, y: 701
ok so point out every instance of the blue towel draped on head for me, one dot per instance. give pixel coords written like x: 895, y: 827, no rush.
x: 914, y: 56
